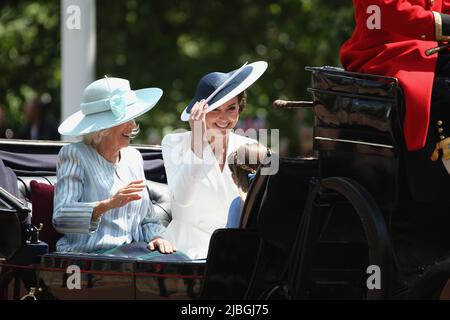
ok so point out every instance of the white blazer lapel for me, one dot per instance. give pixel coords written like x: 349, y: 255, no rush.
x: 213, y: 171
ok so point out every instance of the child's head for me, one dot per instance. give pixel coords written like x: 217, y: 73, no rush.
x: 245, y: 161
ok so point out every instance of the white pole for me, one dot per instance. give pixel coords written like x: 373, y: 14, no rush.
x: 78, y: 41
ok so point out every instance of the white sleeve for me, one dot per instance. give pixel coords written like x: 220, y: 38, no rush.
x: 183, y: 167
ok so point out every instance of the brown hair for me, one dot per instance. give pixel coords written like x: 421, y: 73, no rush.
x: 242, y: 100
x: 245, y: 160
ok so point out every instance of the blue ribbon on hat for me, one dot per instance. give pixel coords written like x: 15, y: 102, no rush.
x: 120, y: 99
x: 117, y: 103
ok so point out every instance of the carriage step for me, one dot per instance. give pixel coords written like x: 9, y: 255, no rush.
x: 336, y: 290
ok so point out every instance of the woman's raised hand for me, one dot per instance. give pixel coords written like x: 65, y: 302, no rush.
x: 197, y: 121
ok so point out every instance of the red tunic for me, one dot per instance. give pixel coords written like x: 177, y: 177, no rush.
x: 397, y: 49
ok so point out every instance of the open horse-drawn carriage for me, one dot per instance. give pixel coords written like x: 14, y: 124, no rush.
x: 319, y: 228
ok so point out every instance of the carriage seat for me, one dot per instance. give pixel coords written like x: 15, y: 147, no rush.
x: 38, y: 192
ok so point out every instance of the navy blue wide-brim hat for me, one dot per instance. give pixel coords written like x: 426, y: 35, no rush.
x: 207, y: 85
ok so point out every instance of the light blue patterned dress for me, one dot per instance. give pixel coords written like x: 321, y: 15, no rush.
x: 85, y: 177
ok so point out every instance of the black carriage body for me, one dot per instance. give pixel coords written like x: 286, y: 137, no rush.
x: 109, y: 277
x: 357, y: 135
x: 346, y: 230
x: 358, y: 131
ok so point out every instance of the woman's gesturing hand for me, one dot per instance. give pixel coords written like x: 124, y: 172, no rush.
x: 131, y: 192
x: 164, y: 246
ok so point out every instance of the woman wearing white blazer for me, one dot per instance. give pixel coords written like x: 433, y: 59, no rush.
x: 200, y: 182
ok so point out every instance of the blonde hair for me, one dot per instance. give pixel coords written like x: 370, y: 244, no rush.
x: 246, y: 160
x: 95, y: 138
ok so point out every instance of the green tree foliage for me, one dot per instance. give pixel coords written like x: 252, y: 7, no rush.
x: 29, y: 56
x: 172, y: 44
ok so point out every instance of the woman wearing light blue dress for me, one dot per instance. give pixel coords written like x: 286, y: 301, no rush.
x: 100, y: 203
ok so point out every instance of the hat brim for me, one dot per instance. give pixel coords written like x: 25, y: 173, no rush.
x: 78, y: 124
x: 257, y: 69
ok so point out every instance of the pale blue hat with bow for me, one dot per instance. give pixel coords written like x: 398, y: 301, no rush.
x: 107, y: 103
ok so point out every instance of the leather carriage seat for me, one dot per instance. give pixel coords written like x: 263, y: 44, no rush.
x: 42, y: 203
x: 159, y: 195
x: 23, y: 184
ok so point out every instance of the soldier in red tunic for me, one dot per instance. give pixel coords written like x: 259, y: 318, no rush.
x: 396, y: 38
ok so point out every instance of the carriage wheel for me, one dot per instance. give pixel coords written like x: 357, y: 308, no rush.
x: 324, y: 197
